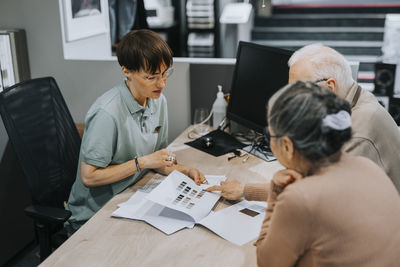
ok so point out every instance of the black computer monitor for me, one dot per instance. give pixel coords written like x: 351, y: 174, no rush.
x: 259, y: 72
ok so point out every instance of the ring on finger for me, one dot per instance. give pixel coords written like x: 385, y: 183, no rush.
x: 171, y: 158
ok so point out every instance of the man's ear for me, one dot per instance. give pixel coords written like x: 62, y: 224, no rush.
x: 287, y: 147
x: 332, y: 84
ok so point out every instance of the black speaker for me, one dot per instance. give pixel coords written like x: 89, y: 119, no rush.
x: 384, y: 79
x: 394, y: 109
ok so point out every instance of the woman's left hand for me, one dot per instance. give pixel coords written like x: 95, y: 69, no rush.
x: 280, y: 180
x: 284, y: 177
x: 197, y: 176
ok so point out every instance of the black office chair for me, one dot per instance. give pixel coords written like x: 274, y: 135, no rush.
x: 46, y: 142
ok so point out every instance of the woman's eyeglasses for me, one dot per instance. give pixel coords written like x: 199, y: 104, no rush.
x: 268, y: 135
x: 152, y: 79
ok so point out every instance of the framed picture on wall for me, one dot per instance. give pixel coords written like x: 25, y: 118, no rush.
x: 84, y: 18
x: 6, y: 61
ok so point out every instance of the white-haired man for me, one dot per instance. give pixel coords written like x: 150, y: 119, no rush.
x: 375, y: 134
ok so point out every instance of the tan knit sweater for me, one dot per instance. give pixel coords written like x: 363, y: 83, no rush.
x: 346, y: 215
x: 256, y: 192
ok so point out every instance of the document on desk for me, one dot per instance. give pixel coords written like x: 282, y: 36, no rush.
x: 170, y: 216
x: 176, y: 202
x: 239, y: 223
x: 179, y: 192
x: 163, y: 218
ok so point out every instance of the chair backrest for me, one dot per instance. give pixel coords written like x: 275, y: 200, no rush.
x: 44, y: 137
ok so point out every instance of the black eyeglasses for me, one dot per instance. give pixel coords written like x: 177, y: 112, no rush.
x: 268, y: 135
x: 321, y: 80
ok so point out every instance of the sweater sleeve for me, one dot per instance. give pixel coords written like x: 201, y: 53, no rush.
x: 256, y: 192
x: 285, y: 232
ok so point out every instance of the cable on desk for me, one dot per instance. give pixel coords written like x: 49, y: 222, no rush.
x: 261, y: 145
x: 190, y: 136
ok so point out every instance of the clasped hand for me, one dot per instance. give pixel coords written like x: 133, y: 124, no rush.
x: 285, y: 177
x: 279, y: 182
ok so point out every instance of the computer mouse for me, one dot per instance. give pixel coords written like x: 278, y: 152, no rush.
x: 208, y: 142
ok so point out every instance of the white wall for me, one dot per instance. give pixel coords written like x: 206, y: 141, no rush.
x: 81, y: 82
x: 97, y: 46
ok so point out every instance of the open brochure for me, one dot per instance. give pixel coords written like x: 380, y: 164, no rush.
x: 176, y: 202
x: 179, y: 192
x: 171, y: 203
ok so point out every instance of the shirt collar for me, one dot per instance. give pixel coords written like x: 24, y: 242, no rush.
x: 133, y: 105
x: 352, y: 92
x: 150, y: 107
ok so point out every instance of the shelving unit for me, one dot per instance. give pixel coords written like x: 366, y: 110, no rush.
x: 172, y: 33
x: 202, y: 31
x: 195, y: 31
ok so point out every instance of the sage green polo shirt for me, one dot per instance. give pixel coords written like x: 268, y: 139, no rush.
x: 117, y: 129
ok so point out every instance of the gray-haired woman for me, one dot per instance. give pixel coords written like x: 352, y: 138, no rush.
x: 327, y: 208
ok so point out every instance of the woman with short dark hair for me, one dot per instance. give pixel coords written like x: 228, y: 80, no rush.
x: 126, y: 129
x: 327, y: 208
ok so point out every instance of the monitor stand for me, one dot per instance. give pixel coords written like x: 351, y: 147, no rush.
x: 263, y: 154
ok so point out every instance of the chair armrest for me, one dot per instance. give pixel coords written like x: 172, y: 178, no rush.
x: 47, y: 214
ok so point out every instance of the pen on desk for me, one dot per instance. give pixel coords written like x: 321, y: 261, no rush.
x: 232, y: 157
x: 237, y: 153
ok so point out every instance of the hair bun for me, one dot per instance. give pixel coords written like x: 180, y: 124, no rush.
x: 316, y: 120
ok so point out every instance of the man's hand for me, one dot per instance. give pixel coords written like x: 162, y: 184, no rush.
x: 231, y: 190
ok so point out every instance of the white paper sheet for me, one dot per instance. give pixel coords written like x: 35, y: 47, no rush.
x: 165, y: 219
x: 234, y: 225
x: 179, y: 192
x: 213, y: 180
x: 147, y: 188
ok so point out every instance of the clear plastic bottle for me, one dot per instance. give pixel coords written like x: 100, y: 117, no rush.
x: 219, y: 108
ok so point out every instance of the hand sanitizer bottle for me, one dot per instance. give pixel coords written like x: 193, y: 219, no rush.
x: 219, y: 108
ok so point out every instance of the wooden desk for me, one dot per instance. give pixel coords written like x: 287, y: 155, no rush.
x: 107, y: 241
